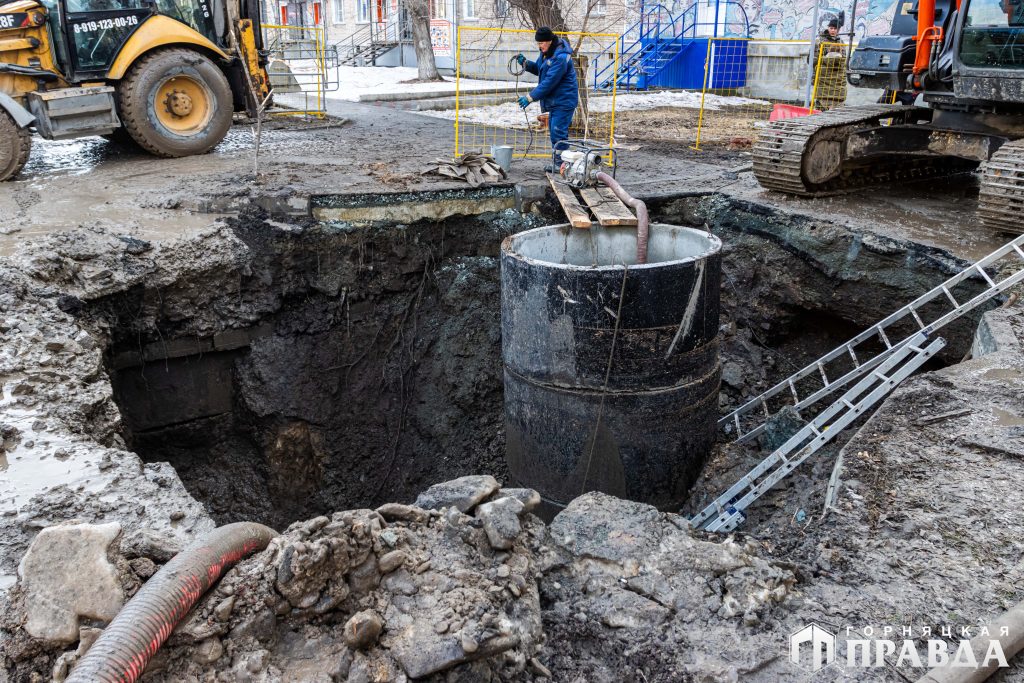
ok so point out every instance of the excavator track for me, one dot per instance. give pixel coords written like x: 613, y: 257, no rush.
x: 780, y: 153
x: 1001, y: 200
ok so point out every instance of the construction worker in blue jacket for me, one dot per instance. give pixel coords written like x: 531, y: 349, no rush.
x: 557, y: 89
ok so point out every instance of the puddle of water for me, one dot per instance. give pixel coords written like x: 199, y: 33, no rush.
x: 1005, y: 418
x: 71, y: 157
x: 81, y: 155
x: 28, y: 470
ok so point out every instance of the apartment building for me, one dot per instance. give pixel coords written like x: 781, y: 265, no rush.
x: 351, y: 23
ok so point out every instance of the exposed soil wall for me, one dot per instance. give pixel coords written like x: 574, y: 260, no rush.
x: 333, y: 368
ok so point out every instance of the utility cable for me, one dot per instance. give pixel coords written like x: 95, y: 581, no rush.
x: 607, y: 376
x: 518, y: 70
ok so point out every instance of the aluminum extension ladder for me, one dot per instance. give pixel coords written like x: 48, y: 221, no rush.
x: 727, y: 511
x: 749, y: 420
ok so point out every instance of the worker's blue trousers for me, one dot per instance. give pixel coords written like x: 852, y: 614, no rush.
x: 558, y: 126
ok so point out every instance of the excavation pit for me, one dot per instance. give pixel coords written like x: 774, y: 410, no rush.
x: 326, y: 367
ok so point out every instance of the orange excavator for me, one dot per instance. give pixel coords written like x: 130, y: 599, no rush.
x: 962, y: 61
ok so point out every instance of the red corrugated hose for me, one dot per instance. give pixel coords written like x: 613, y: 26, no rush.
x: 123, y: 650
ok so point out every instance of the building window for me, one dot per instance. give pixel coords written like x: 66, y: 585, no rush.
x: 438, y: 9
x: 338, y: 11
x: 600, y: 8
x: 502, y: 9
x: 470, y: 9
x: 363, y: 11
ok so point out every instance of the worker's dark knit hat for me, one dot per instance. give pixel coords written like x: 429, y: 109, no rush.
x: 833, y: 23
x: 544, y: 34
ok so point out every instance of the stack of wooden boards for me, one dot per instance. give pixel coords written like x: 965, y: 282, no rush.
x: 476, y: 168
x: 600, y: 202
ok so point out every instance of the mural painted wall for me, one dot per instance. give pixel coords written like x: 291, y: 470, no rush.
x: 791, y: 19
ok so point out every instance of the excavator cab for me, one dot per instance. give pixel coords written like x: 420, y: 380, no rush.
x: 166, y: 74
x: 977, y: 46
x: 887, y: 61
x: 993, y: 34
x: 990, y: 50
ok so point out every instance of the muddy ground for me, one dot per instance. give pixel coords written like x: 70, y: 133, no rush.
x: 724, y: 133
x: 363, y: 366
x: 93, y: 182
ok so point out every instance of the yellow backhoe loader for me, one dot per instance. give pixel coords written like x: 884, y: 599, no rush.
x: 169, y: 74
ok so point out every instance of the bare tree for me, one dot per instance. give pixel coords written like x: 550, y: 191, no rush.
x: 541, y: 13
x: 419, y: 17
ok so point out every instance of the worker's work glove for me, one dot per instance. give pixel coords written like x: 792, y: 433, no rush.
x: 520, y: 59
x: 524, y: 102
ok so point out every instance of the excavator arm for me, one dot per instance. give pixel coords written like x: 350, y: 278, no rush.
x: 929, y: 38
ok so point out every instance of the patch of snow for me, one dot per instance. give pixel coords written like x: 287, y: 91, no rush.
x: 509, y: 115
x: 368, y: 83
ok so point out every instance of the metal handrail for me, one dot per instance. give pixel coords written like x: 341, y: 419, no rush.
x: 355, y: 41
x: 313, y: 83
x: 645, y: 27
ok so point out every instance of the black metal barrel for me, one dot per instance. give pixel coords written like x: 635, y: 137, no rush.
x: 631, y: 412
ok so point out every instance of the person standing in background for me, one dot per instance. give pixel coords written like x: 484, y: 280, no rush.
x: 557, y: 89
x: 830, y: 68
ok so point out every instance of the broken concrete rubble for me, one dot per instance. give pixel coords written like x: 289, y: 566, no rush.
x: 362, y: 629
x: 659, y: 599
x: 431, y: 592
x: 528, y: 497
x: 326, y: 579
x: 500, y: 520
x: 412, y: 597
x: 463, y: 493
x: 67, y: 575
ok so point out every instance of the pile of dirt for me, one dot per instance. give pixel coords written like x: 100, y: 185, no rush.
x: 449, y: 589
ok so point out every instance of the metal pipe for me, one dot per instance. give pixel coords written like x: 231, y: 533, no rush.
x: 853, y: 30
x: 1012, y: 621
x: 812, y: 53
x: 642, y: 220
x: 123, y: 650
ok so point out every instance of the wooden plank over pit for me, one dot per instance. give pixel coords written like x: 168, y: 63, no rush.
x: 577, y: 215
x: 608, y: 209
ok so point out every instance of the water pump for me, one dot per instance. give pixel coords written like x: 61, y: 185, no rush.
x: 582, y: 160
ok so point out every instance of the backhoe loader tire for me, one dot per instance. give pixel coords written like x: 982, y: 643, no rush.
x: 15, y: 144
x: 175, y: 103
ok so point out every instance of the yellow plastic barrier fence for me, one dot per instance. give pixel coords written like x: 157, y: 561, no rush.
x: 748, y: 82
x: 830, y: 76
x: 301, y: 69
